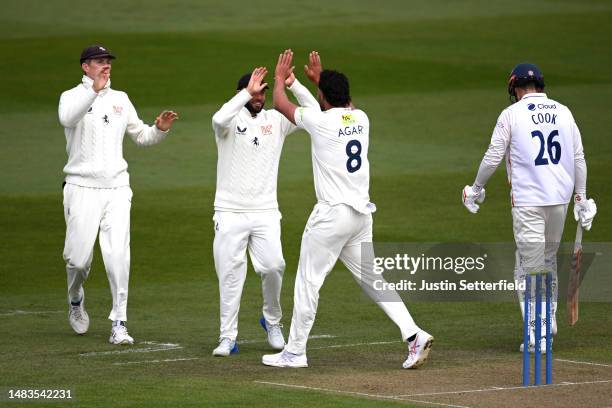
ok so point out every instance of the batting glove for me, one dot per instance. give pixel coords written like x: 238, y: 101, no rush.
x: 584, y: 211
x: 472, y: 195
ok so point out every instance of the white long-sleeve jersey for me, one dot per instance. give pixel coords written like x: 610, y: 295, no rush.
x: 543, y: 150
x: 95, y: 124
x: 249, y: 150
x: 340, y: 141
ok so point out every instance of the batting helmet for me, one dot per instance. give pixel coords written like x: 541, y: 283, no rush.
x: 523, y: 74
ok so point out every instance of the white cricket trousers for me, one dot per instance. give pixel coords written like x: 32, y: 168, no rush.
x: 334, y: 232
x: 260, y: 232
x: 537, y: 233
x: 87, y: 211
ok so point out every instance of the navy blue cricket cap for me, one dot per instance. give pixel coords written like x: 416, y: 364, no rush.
x: 243, y: 82
x: 96, y: 51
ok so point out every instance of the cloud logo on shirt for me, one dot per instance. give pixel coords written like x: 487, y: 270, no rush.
x: 531, y: 106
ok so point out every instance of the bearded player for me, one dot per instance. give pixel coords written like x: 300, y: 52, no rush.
x: 249, y: 144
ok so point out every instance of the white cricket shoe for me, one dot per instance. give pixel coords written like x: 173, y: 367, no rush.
x: 285, y: 359
x: 226, y: 347
x: 532, y: 346
x: 78, y: 317
x: 418, y: 350
x: 119, y: 335
x: 275, y: 334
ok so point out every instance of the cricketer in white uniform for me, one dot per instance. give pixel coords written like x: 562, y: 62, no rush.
x: 249, y: 143
x: 545, y: 164
x: 340, y: 225
x: 97, y: 194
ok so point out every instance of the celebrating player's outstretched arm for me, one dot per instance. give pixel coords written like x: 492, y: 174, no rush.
x: 256, y: 83
x: 313, y: 68
x: 283, y: 70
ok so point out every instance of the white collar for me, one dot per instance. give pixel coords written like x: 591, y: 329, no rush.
x: 534, y: 95
x: 88, y: 83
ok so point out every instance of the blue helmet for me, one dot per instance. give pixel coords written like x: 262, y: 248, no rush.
x: 523, y: 74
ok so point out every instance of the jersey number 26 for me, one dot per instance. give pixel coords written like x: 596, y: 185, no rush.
x: 551, y: 145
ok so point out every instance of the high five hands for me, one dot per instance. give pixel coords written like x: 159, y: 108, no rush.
x: 284, y: 67
x: 256, y: 84
x: 313, y: 68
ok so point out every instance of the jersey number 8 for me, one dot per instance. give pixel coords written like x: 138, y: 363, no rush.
x: 354, y: 156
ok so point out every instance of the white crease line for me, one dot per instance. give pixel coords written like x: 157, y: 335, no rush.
x: 25, y: 312
x: 136, y: 350
x: 159, y: 347
x: 161, y: 344
x: 360, y: 394
x: 168, y: 360
x: 583, y: 362
x: 352, y: 345
x: 313, y: 337
x: 566, y: 383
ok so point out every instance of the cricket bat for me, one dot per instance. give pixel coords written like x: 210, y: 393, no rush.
x: 574, y: 279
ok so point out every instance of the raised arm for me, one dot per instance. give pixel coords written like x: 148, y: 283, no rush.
x: 222, y: 119
x: 314, y: 67
x: 283, y: 70
x: 75, y: 103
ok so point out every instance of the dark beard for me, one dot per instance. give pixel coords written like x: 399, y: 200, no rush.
x: 251, y: 109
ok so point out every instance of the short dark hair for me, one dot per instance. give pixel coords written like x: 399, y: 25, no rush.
x: 335, y: 88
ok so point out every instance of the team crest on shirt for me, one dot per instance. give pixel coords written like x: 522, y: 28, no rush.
x: 117, y: 110
x: 347, y: 119
x: 266, y: 130
x: 241, y: 131
x: 255, y: 141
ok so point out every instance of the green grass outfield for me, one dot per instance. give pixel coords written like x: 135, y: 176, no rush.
x: 432, y: 78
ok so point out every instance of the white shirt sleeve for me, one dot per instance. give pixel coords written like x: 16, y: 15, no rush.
x: 500, y: 140
x: 307, y: 119
x: 303, y: 95
x: 304, y: 98
x: 141, y: 134
x: 580, y: 167
x: 74, y: 104
x: 222, y: 119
